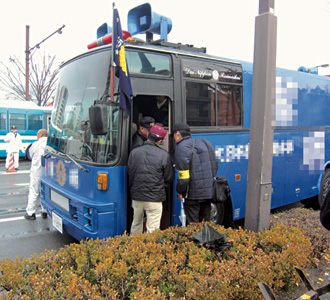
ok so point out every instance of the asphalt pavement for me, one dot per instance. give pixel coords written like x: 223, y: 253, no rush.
x: 21, y: 237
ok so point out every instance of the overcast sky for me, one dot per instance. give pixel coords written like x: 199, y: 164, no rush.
x: 225, y: 28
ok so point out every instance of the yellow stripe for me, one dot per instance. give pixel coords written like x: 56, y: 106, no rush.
x: 184, y: 174
x: 304, y: 296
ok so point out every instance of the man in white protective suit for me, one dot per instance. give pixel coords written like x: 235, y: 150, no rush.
x: 36, y: 151
x: 14, y: 144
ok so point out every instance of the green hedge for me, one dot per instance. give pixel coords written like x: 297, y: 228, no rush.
x: 161, y: 265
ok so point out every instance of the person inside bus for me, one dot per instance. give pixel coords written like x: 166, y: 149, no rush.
x: 195, y: 182
x: 159, y: 111
x: 15, y: 144
x: 36, y: 151
x: 149, y: 169
x: 142, y: 134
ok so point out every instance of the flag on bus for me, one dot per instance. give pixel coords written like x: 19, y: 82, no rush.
x: 120, y: 65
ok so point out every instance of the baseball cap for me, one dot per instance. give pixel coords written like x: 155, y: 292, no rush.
x: 182, y: 127
x: 158, y: 131
x: 147, y: 122
x: 13, y: 127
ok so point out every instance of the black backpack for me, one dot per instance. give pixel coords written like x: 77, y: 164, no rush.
x: 221, y: 190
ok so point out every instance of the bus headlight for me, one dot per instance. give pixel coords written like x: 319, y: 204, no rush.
x: 102, y: 181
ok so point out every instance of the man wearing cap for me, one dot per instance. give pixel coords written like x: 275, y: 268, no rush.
x: 141, y: 136
x: 195, y: 182
x: 15, y: 144
x: 149, y: 169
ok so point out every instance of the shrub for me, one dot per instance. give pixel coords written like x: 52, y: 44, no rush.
x: 307, y: 220
x: 161, y: 265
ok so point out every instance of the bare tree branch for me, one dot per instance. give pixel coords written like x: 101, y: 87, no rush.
x: 43, y: 78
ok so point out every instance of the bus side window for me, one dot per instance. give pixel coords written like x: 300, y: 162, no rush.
x: 200, y: 104
x: 213, y: 105
x: 3, y: 121
x: 228, y: 104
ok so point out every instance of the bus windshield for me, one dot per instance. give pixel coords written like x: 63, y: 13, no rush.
x: 81, y: 82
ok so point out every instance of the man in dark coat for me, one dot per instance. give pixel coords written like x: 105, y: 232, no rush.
x: 142, y: 134
x: 195, y: 183
x: 160, y: 111
x: 149, y: 169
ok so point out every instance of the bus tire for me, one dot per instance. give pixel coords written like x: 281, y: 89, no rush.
x: 27, y: 152
x: 217, y: 213
x: 325, y: 186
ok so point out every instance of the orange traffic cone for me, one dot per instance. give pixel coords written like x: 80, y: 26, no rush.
x: 11, y: 167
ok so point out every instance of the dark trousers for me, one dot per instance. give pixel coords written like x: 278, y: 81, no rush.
x: 197, y: 210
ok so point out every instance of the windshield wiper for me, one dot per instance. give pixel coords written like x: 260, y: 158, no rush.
x: 80, y: 166
x: 54, y: 151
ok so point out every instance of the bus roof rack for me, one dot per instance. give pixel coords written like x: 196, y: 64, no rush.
x: 178, y: 46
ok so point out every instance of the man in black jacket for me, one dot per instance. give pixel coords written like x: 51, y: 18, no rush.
x: 149, y: 169
x: 142, y: 134
x: 195, y: 183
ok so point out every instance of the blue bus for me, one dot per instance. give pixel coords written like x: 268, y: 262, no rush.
x: 84, y: 186
x: 27, y: 116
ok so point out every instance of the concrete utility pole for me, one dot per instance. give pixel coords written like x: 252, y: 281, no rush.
x: 259, y: 189
x: 27, y: 63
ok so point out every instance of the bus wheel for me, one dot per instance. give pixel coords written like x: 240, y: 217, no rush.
x: 217, y: 213
x: 325, y: 186
x: 27, y: 152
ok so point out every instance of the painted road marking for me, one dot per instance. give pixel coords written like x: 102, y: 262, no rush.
x: 15, y: 219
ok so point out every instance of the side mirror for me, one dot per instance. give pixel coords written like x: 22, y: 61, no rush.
x: 98, y: 117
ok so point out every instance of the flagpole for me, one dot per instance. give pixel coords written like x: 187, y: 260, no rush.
x: 113, y: 53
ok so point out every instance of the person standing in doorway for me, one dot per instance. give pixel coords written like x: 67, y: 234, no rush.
x: 160, y: 111
x: 195, y: 182
x: 149, y: 170
x: 36, y: 151
x: 15, y: 144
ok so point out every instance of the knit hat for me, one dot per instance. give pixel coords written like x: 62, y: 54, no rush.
x: 158, y: 131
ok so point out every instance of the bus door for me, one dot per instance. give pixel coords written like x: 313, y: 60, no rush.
x: 3, y: 130
x: 159, y: 107
x: 47, y: 120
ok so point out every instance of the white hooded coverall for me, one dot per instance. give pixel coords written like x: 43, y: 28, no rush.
x: 36, y: 151
x: 14, y: 144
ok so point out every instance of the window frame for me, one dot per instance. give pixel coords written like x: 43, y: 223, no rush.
x: 215, y: 116
x: 203, y: 71
x: 149, y: 74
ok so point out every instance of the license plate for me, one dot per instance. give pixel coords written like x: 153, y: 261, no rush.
x: 57, y: 222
